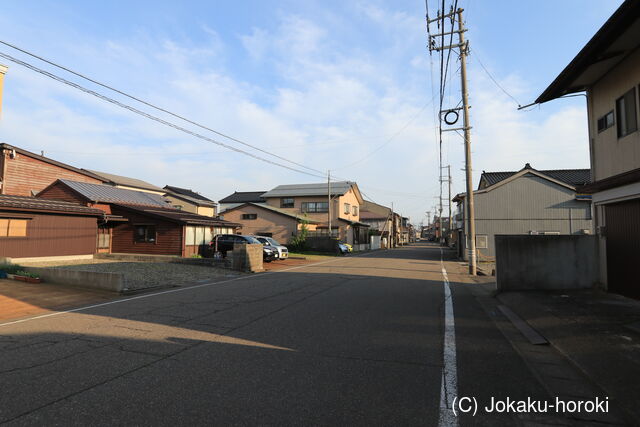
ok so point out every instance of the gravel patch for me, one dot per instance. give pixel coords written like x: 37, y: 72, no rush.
x: 142, y: 275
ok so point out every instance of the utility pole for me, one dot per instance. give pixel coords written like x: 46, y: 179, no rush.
x: 452, y: 113
x: 450, y: 218
x: 329, y: 200
x: 464, y: 48
x: 393, y: 227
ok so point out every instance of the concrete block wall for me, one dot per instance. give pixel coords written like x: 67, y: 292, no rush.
x: 247, y: 257
x: 546, y: 262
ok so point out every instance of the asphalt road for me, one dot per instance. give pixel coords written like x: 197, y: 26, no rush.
x: 351, y: 341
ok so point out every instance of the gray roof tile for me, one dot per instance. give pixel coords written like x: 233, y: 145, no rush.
x: 45, y: 205
x: 337, y: 188
x: 109, y: 194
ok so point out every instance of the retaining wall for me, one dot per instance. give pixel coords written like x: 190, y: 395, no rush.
x: 113, y: 282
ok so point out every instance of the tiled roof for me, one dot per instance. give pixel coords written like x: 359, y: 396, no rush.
x: 243, y: 197
x: 364, y: 215
x: 186, y: 196
x: 109, y: 194
x: 187, y: 192
x: 45, y: 205
x: 573, y: 177
x: 337, y: 188
x: 126, y: 181
x: 179, y: 216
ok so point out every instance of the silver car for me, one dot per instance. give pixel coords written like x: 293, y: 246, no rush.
x: 283, y: 252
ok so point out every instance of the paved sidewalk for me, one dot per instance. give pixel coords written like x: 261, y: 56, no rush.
x: 598, y: 332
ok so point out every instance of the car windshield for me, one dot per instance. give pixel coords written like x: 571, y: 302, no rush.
x: 252, y: 240
x: 273, y: 242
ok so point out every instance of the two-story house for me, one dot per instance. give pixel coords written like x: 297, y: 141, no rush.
x: 190, y: 201
x: 528, y: 201
x: 307, y: 204
x: 607, y: 70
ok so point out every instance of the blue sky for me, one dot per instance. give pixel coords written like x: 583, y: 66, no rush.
x: 333, y: 85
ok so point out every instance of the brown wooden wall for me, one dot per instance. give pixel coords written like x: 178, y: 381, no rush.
x: 168, y: 240
x: 62, y: 192
x: 52, y: 235
x: 25, y: 173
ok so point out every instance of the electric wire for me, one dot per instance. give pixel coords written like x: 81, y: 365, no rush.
x: 496, y: 82
x: 137, y: 99
x: 149, y: 116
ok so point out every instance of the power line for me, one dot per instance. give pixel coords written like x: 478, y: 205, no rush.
x: 496, y: 82
x: 371, y: 153
x: 82, y: 76
x: 150, y: 116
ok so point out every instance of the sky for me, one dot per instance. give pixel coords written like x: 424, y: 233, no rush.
x: 342, y: 86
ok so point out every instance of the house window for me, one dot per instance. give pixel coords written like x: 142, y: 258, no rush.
x: 347, y: 208
x: 626, y: 113
x: 315, y: 207
x: 249, y: 216
x: 286, y: 202
x: 145, y: 233
x: 10, y: 227
x: 606, y: 121
x: 481, y: 241
x: 104, y: 238
x: 355, y: 210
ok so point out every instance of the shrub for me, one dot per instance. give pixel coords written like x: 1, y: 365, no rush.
x: 10, y: 268
x: 298, y: 242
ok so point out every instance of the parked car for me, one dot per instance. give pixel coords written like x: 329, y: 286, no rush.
x: 345, y: 248
x: 224, y: 242
x: 283, y: 252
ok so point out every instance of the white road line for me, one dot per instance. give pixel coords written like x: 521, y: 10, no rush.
x: 449, y: 384
x: 120, y: 301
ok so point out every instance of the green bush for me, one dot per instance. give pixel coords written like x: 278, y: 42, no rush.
x: 10, y: 268
x: 196, y: 256
x: 298, y: 242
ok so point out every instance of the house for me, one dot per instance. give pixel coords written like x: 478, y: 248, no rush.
x: 379, y: 220
x: 37, y: 228
x: 265, y: 220
x: 127, y: 183
x: 312, y: 202
x: 240, y: 197
x: 140, y: 222
x: 23, y: 173
x: 190, y: 201
x: 607, y: 69
x: 528, y: 201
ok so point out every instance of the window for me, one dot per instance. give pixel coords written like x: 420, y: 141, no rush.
x: 104, y: 238
x: 286, y: 202
x: 249, y: 216
x: 10, y: 227
x: 481, y: 241
x: 347, y: 208
x: 355, y: 210
x: 145, y: 233
x: 605, y: 122
x: 315, y: 207
x: 626, y: 113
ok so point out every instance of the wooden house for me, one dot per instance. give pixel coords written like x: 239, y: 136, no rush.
x: 140, y: 222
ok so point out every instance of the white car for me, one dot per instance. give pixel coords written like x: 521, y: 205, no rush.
x: 283, y: 252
